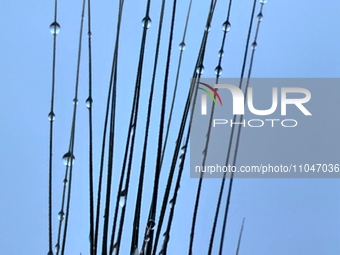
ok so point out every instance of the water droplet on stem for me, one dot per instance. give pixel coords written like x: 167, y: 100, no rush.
x: 146, y: 22
x: 55, y: 28
x: 68, y: 159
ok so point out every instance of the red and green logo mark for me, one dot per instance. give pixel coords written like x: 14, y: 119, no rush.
x: 212, y: 95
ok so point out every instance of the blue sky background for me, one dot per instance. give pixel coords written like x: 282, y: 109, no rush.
x: 297, y: 39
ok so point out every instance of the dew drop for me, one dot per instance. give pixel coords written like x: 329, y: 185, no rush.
x: 65, y: 181
x: 182, y: 46
x: 68, y: 159
x: 260, y: 16
x: 183, y: 149
x: 218, y: 70
x: 208, y: 28
x: 88, y: 102
x: 56, y: 247
x: 55, y: 28
x: 263, y: 1
x: 166, y: 236
x: 151, y: 224
x: 89, y: 34
x: 146, y: 22
x: 114, y: 252
x: 75, y: 101
x: 220, y: 53
x: 135, y: 252
x: 132, y: 131
x: 200, y: 69
x: 122, y: 201
x: 61, y: 215
x: 50, y: 253
x: 51, y: 116
x: 254, y: 45
x: 226, y: 26
x: 122, y: 198
x: 171, y: 203
x: 147, y: 239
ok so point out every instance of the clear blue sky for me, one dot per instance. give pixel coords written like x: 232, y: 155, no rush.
x: 297, y: 39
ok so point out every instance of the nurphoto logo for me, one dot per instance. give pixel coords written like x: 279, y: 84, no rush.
x: 239, y: 98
